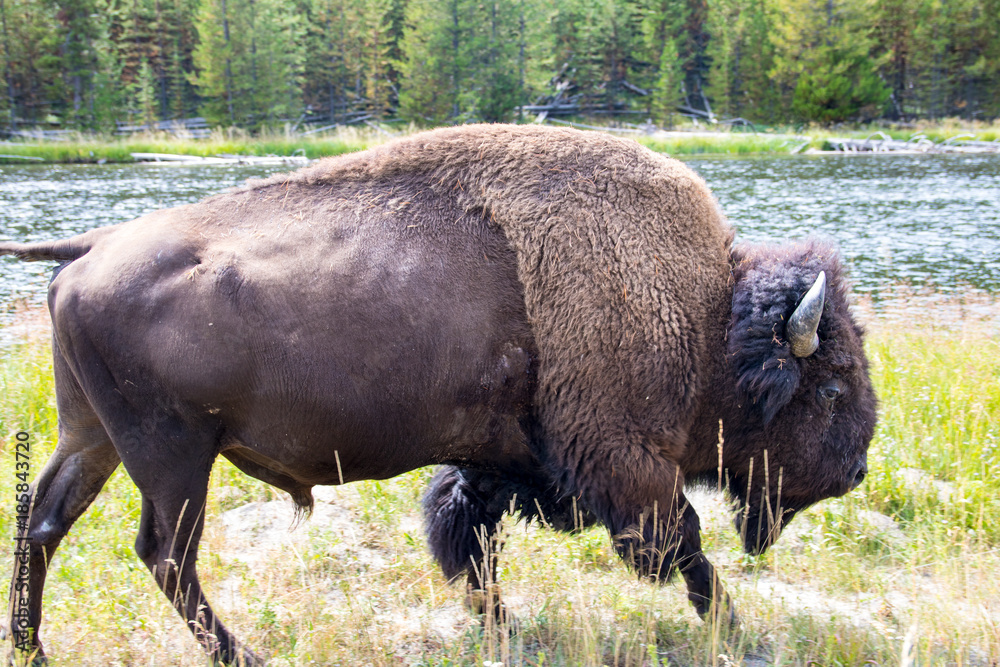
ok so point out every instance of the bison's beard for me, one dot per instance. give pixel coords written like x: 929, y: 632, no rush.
x: 759, y: 530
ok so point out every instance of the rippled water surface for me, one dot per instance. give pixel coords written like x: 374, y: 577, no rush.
x: 924, y: 220
x: 929, y: 220
x: 43, y: 202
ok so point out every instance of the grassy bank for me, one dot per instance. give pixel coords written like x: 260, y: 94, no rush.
x: 85, y: 149
x: 725, y: 143
x: 89, y: 150
x: 689, y: 140
x: 902, y: 571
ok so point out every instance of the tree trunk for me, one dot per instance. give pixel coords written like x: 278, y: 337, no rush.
x: 454, y: 65
x: 161, y: 62
x: 253, y: 59
x: 6, y: 65
x: 229, y: 68
x: 520, y: 62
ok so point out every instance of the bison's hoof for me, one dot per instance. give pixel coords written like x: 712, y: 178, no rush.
x: 722, y: 612
x: 494, y: 613
x: 25, y: 659
x: 247, y: 658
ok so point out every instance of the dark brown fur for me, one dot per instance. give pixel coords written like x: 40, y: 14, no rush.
x: 559, y: 317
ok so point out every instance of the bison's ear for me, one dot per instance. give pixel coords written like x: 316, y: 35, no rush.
x: 766, y: 372
x: 769, y: 385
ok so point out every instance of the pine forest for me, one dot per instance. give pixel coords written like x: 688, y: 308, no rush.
x: 98, y: 65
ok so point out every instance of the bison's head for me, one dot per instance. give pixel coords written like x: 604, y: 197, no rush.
x: 804, y: 410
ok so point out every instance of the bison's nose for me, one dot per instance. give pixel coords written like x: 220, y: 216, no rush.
x: 859, y: 474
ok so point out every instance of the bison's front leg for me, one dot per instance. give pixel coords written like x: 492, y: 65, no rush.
x: 655, y: 530
x: 705, y: 590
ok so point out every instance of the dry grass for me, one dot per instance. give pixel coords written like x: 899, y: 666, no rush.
x: 901, y: 571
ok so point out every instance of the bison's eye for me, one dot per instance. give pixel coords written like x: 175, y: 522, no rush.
x: 828, y: 392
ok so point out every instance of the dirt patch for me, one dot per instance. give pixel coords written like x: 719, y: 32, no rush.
x: 331, y: 556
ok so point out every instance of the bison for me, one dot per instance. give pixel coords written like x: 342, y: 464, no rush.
x: 560, y: 319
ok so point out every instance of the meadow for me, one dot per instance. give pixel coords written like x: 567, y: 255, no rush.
x: 900, y: 572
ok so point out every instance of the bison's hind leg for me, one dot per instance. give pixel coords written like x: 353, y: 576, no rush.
x: 171, y: 469
x: 83, y: 460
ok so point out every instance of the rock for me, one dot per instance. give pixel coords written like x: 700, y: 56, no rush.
x: 883, y: 526
x: 920, y: 481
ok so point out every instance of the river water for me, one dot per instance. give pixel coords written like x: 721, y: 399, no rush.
x: 930, y: 222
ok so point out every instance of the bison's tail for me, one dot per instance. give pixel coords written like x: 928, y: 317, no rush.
x: 58, y: 251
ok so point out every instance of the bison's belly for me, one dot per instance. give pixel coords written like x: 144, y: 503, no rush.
x: 364, y: 354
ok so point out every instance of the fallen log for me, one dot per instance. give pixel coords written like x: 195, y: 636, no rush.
x: 171, y: 158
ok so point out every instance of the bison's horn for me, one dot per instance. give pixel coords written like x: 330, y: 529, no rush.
x: 802, y: 325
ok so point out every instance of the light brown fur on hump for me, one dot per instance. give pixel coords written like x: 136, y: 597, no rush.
x: 622, y: 253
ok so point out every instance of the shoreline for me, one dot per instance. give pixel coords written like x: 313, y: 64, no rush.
x: 232, y: 145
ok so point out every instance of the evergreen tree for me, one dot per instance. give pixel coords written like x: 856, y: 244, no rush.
x: 89, y: 63
x: 213, y: 59
x: 691, y: 45
x: 180, y: 63
x: 325, y: 68
x: 742, y: 55
x: 894, y: 22
x: 374, y: 61
x: 990, y: 28
x: 108, y: 93
x: 725, y: 48
x: 248, y: 61
x: 662, y: 24
x: 494, y: 44
x: 77, y: 31
x: 36, y: 71
x: 758, y: 97
x: 395, y: 22
x: 8, y: 100
x: 143, y: 96
x: 599, y: 45
x: 823, y: 60
x: 667, y: 93
x: 469, y: 60
x: 432, y: 65
x: 955, y: 58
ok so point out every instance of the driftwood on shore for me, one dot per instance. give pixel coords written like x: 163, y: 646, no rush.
x: 919, y: 143
x: 171, y: 158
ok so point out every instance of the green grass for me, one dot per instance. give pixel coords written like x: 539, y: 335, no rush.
x: 837, y: 589
x: 700, y: 140
x: 89, y: 149
x: 728, y: 143
x: 940, y: 395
